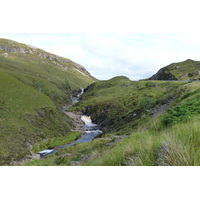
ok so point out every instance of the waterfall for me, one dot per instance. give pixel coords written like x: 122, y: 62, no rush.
x: 87, y: 120
x: 91, y: 131
x: 82, y: 91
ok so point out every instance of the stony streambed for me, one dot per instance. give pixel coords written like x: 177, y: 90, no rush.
x: 89, y: 131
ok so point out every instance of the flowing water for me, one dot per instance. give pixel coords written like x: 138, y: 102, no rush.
x: 90, y: 132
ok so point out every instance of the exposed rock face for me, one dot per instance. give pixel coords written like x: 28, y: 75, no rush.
x: 14, y: 47
x: 186, y: 70
x: 163, y: 74
x: 163, y: 154
x: 53, y: 57
x: 77, y: 122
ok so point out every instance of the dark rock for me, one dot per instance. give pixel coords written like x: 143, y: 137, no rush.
x: 84, y: 158
x: 176, y: 67
x: 75, y: 163
x: 163, y: 74
x: 110, y: 144
x: 12, y: 49
x: 123, y: 86
x: 162, y: 154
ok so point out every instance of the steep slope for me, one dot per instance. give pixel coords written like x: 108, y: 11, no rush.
x: 119, y: 102
x: 161, y: 117
x: 144, y: 123
x: 22, y: 60
x: 34, y: 86
x: 186, y: 70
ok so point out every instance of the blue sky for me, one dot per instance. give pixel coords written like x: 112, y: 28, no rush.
x: 134, y: 55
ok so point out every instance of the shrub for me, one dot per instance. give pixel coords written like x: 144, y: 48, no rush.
x: 147, y: 102
x: 150, y: 84
x: 182, y: 112
x: 190, y: 94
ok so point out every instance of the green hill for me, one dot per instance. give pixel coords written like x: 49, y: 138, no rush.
x: 34, y: 86
x: 186, y: 70
x: 148, y: 122
x: 144, y: 122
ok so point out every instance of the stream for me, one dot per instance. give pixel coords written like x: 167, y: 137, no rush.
x: 90, y: 132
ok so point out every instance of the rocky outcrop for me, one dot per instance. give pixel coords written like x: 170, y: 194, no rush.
x: 163, y: 153
x: 76, y: 120
x: 14, y: 47
x: 163, y: 74
x: 182, y: 71
x: 53, y: 57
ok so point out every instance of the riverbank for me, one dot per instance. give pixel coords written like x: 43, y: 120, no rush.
x: 76, y: 120
x: 81, y: 123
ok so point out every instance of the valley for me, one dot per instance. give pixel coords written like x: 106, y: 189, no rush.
x: 45, y: 99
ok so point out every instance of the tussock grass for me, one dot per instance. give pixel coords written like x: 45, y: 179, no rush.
x: 178, y: 145
x: 183, y: 143
x: 137, y: 149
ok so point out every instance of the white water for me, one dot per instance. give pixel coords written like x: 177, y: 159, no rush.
x: 87, y: 120
x: 45, y: 151
x: 91, y: 131
x: 82, y: 91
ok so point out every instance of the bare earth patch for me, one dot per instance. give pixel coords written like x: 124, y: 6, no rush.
x: 76, y: 119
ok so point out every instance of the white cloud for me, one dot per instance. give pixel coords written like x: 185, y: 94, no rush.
x: 68, y: 51
x: 137, y: 56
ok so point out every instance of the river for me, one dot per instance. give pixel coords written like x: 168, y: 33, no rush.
x: 90, y: 132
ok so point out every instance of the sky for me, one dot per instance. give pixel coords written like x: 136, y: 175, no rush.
x: 105, y: 55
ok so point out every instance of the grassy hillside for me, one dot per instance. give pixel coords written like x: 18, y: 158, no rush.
x: 119, y: 102
x: 52, y: 75
x: 174, y: 146
x: 34, y: 85
x: 186, y: 70
x: 145, y: 123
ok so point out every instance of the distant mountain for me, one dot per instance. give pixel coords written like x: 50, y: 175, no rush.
x: 186, y: 70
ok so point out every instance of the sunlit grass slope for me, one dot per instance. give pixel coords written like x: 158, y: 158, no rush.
x: 26, y: 116
x: 34, y: 85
